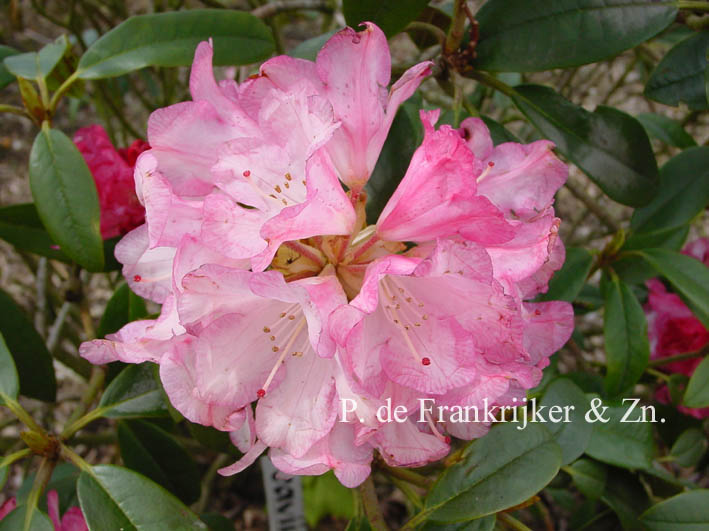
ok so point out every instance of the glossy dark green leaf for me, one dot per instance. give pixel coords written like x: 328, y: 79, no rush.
x: 36, y: 65
x: 672, y: 238
x: 572, y: 437
x: 622, y: 444
x: 65, y: 197
x: 391, y: 16
x: 134, y: 393
x: 9, y: 381
x: 589, y: 477
x: 684, y: 192
x: 487, y: 479
x: 170, y: 39
x: 626, y: 341
x: 5, y: 76
x: 611, y: 147
x: 15, y: 521
x: 697, y: 393
x: 688, y: 511
x: 154, y: 453
x: 679, y: 77
x: 666, y: 129
x: 566, y: 283
x: 20, y: 226
x: 309, y: 49
x: 123, y: 307
x: 688, y: 276
x: 523, y: 36
x: 627, y: 497
x: 689, y: 447
x: 31, y: 357
x: 113, y: 497
x: 405, y: 136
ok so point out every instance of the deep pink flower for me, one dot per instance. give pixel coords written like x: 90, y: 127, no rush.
x: 73, y: 519
x: 113, y: 173
x: 673, y: 328
x: 250, y: 177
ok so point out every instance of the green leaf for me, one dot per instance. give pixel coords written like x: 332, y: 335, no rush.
x: 487, y: 479
x: 309, y: 49
x: 611, y: 147
x: 31, y: 357
x: 391, y: 16
x: 217, y: 522
x: 37, y: 65
x: 688, y: 276
x: 123, y: 307
x: 689, y: 447
x: 324, y: 495
x: 9, y: 381
x: 697, y: 393
x: 623, y: 444
x: 5, y: 76
x: 134, y: 393
x: 589, y: 477
x: 405, y: 135
x: 627, y: 497
x: 20, y: 226
x: 572, y: 437
x: 684, y: 192
x: 666, y: 129
x: 359, y: 523
x: 679, y: 77
x: 16, y: 520
x: 113, y: 497
x: 684, y: 512
x: 566, y: 283
x: 523, y: 36
x: 626, y: 340
x: 65, y: 196
x: 170, y: 39
x: 154, y: 453
x: 486, y: 523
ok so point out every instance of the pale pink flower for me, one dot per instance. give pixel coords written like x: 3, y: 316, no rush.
x: 345, y: 311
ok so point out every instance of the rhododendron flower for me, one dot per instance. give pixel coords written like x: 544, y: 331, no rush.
x: 673, y: 328
x: 73, y: 519
x: 276, y: 293
x: 112, y: 170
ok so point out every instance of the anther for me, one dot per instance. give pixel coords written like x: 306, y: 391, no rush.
x: 137, y: 278
x: 266, y: 329
x: 246, y: 173
x: 261, y: 393
x: 426, y: 361
x: 277, y: 188
x: 275, y: 348
x: 288, y: 176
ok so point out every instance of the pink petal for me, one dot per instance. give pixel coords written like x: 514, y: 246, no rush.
x: 549, y: 326
x: 477, y: 137
x: 404, y: 444
x: 231, y: 228
x: 437, y: 196
x: 248, y: 459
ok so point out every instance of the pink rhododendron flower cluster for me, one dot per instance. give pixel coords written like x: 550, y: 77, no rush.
x: 73, y: 519
x: 279, y: 302
x: 112, y: 170
x: 673, y: 328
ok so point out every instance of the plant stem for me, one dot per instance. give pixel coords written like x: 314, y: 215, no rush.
x: 590, y: 203
x: 12, y: 109
x: 279, y: 6
x: 40, y: 482
x: 679, y: 357
x: 695, y: 5
x: 208, y: 482
x: 437, y: 32
x: 11, y: 458
x: 512, y: 522
x: 71, y: 456
x: 657, y: 374
x: 409, y: 492
x: 371, y: 505
x: 455, y: 34
x: 21, y: 414
x: 408, y: 475
x: 78, y: 420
